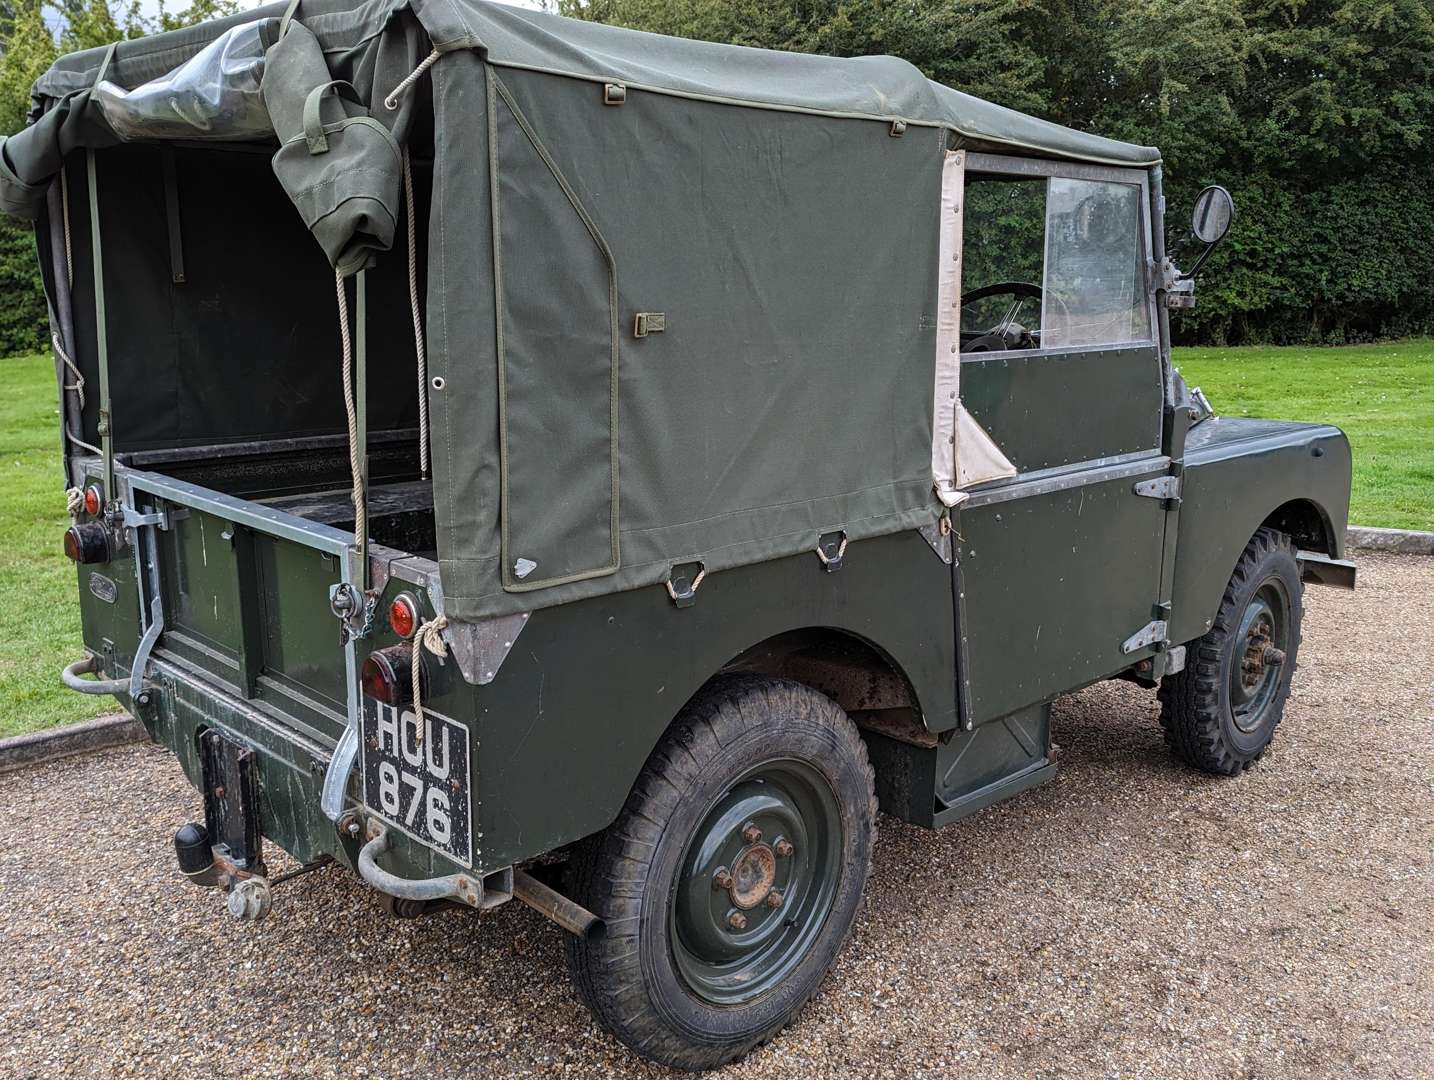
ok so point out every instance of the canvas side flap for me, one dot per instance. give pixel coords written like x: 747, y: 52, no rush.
x: 556, y: 294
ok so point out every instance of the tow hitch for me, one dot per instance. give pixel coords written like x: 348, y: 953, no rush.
x: 227, y: 850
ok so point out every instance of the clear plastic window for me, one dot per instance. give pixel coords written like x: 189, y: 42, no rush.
x: 1051, y: 264
x: 1093, y: 291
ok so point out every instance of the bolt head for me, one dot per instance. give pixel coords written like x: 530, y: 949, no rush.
x: 722, y: 879
x: 751, y: 833
x: 784, y: 848
x: 775, y: 899
x: 737, y: 921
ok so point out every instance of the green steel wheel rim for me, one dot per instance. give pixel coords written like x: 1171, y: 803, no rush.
x: 757, y: 882
x: 1260, y: 645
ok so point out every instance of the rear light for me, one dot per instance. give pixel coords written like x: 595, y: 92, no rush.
x: 94, y: 501
x: 387, y: 675
x: 87, y: 543
x: 403, y: 615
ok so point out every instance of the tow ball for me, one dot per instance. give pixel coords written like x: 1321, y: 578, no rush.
x: 248, y: 894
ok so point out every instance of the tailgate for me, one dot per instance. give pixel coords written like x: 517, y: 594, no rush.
x: 245, y: 599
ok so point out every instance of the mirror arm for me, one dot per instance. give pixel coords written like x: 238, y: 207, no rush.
x: 1189, y: 275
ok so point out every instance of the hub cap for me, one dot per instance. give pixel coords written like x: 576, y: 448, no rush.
x: 756, y: 882
x: 1259, y: 659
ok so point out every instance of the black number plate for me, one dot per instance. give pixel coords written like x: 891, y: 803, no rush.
x: 421, y: 788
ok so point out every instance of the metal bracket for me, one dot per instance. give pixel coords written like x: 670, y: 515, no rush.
x: 133, y: 519
x: 1174, y: 660
x: 831, y: 550
x: 1152, y: 632
x: 649, y: 322
x: 480, y: 648
x: 1161, y: 487
x: 938, y: 535
x: 682, y: 588
x: 1165, y: 488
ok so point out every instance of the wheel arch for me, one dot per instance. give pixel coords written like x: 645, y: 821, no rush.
x: 1307, y: 523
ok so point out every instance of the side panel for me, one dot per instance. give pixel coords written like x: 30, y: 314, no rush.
x: 1238, y: 472
x: 1046, y: 409
x: 590, y: 687
x: 1051, y: 585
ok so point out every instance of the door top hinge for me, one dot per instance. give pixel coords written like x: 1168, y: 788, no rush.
x: 1157, y: 630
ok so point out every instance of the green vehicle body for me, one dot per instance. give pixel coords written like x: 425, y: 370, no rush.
x: 945, y: 642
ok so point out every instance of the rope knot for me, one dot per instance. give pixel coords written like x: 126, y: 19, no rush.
x: 430, y: 637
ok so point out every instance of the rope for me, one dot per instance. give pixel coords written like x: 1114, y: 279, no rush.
x: 418, y: 344
x: 351, y: 413
x: 74, y: 501
x: 65, y: 214
x: 430, y: 637
x: 391, y: 102
x: 78, y: 386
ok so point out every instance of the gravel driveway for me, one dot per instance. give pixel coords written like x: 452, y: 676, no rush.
x: 1130, y: 918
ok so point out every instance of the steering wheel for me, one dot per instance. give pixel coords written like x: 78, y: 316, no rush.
x: 1008, y: 333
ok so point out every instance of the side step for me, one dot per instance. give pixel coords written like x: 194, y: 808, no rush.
x: 934, y: 785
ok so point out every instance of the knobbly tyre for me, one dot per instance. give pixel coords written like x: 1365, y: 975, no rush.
x: 514, y: 457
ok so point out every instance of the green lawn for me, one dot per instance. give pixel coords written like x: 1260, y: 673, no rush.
x: 1382, y: 395
x: 39, y: 617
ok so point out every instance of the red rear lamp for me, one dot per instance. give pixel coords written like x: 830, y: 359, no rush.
x: 94, y: 501
x: 87, y: 543
x: 403, y: 615
x: 387, y: 676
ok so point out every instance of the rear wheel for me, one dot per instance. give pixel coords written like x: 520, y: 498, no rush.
x: 732, y: 876
x: 1221, y: 712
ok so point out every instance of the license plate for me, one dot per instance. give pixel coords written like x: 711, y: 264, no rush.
x: 419, y: 787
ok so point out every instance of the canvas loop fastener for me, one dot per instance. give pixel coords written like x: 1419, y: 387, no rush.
x: 391, y: 102
x: 831, y: 550
x: 682, y: 584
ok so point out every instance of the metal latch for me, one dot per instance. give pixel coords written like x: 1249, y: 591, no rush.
x: 1154, y: 631
x: 649, y: 322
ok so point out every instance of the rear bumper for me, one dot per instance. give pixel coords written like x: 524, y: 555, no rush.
x: 292, y: 765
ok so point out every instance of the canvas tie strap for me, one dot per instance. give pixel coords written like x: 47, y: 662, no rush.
x: 430, y: 637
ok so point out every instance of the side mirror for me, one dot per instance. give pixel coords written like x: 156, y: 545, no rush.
x: 1214, y: 210
x: 1210, y: 221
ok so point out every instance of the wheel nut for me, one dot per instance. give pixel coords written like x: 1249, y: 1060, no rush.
x: 722, y: 879
x: 737, y: 921
x: 751, y: 833
x: 784, y: 848
x: 774, y: 899
x: 1274, y: 655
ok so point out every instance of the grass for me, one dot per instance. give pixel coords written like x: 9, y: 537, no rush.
x: 1382, y: 395
x: 39, y: 615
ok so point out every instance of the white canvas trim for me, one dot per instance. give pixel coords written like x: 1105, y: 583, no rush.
x: 961, y: 452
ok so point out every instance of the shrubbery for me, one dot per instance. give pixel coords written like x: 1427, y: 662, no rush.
x: 1316, y: 114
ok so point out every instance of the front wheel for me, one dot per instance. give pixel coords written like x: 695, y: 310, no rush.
x: 1221, y: 712
x: 731, y: 878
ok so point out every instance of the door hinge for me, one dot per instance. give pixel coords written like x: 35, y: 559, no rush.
x: 1156, y: 630
x: 1165, y: 488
